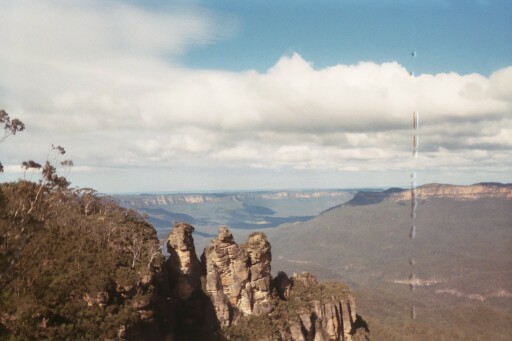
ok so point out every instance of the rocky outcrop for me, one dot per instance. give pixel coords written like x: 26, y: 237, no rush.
x: 305, y: 278
x: 238, y: 285
x: 238, y: 278
x: 183, y: 264
x: 227, y: 277
x: 189, y: 311
x: 258, y: 251
x: 324, y: 316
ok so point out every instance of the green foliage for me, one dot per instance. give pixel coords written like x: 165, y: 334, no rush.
x: 72, y: 264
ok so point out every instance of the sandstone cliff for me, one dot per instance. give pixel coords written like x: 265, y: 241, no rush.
x: 183, y: 264
x: 321, y: 312
x: 238, y: 278
x: 197, y: 198
x: 472, y: 192
x: 430, y: 191
x: 244, y: 301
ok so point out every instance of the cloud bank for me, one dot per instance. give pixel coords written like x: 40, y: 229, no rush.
x: 104, y: 80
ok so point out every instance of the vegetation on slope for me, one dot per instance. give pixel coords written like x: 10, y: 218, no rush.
x: 72, y: 263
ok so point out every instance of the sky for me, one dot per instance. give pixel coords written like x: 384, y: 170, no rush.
x: 160, y: 96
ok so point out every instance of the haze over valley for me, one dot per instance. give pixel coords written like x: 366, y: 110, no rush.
x: 238, y: 210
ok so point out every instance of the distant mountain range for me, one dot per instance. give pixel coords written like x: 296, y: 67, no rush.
x: 143, y: 200
x: 238, y: 210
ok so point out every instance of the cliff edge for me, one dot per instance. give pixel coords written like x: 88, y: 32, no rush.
x: 485, y: 190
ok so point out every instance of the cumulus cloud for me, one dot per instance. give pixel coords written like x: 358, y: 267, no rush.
x: 105, y: 81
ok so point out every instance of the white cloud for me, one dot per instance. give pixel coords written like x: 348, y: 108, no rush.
x: 104, y: 81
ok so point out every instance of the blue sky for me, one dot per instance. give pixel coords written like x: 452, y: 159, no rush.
x: 459, y: 36
x: 227, y: 95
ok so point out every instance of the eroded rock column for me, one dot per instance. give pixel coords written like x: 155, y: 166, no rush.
x: 227, y: 276
x: 258, y: 250
x: 183, y: 263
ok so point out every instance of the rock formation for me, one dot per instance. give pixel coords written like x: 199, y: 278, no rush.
x: 238, y: 278
x: 227, y: 277
x: 322, y: 316
x: 188, y: 310
x: 238, y: 284
x: 258, y: 250
x: 183, y: 264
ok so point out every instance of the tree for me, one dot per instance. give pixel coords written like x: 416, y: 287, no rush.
x: 11, y: 127
x: 135, y: 247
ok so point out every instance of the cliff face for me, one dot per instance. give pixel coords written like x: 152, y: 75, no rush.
x: 238, y: 278
x: 430, y: 191
x: 258, y: 251
x: 321, y: 317
x: 227, y: 277
x: 192, y: 198
x: 473, y: 192
x: 183, y: 264
x: 242, y: 293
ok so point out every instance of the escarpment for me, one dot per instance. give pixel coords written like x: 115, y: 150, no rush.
x: 462, y: 193
x: 435, y: 191
x: 244, y: 301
